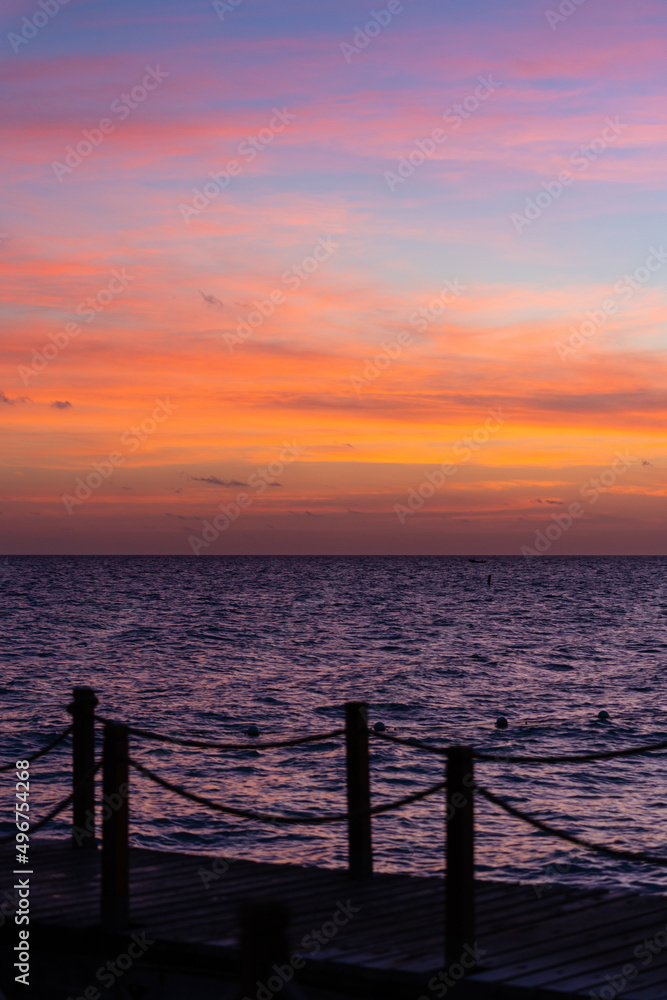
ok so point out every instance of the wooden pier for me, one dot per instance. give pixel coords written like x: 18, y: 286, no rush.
x: 354, y: 932
x: 569, y: 941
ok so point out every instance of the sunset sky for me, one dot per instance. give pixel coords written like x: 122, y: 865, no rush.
x: 472, y: 194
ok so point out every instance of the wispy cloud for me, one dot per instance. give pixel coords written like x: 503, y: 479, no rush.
x: 212, y: 300
x: 214, y: 481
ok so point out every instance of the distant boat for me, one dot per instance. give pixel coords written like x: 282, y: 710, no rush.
x: 477, y: 560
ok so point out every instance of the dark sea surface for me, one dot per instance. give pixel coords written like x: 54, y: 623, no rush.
x: 203, y: 648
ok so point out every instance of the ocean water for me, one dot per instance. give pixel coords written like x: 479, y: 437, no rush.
x: 205, y: 647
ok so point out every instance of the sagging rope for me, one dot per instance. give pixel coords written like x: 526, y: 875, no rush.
x: 571, y: 758
x: 611, y: 852
x: 276, y: 817
x: 521, y: 759
x: 409, y: 741
x: 39, y: 753
x: 207, y: 745
x: 63, y: 804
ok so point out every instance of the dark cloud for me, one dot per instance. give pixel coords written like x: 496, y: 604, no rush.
x: 212, y: 300
x: 214, y: 481
x: 60, y: 404
x: 182, y: 517
x: 4, y: 398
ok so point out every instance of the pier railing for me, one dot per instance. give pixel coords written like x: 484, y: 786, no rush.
x: 459, y: 784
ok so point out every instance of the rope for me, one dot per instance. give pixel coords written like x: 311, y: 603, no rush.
x: 40, y: 753
x: 610, y: 852
x: 409, y: 742
x: 573, y: 758
x: 63, y: 804
x: 508, y: 759
x: 149, y: 735
x: 276, y: 818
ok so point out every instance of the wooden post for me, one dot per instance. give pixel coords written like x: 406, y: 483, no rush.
x: 263, y: 945
x: 82, y: 710
x: 358, y: 789
x: 115, y: 829
x: 460, y: 876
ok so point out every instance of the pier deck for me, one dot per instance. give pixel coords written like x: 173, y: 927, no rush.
x: 568, y: 942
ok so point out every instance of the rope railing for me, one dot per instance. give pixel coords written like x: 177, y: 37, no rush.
x: 309, y: 820
x: 408, y: 741
x: 57, y: 809
x: 525, y: 758
x: 611, y: 852
x: 569, y: 758
x: 211, y: 745
x: 40, y: 753
x: 299, y: 819
x: 461, y: 794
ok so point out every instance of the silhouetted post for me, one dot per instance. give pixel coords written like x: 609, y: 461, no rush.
x: 82, y: 710
x: 460, y: 880
x: 358, y: 789
x: 115, y: 828
x: 263, y: 945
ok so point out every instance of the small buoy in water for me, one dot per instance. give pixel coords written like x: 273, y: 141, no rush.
x: 488, y: 580
x: 379, y: 727
x: 252, y: 731
x: 501, y: 722
x: 603, y: 716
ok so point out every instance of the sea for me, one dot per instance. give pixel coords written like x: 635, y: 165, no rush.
x: 439, y: 648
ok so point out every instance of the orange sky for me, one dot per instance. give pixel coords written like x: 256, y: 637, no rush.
x: 371, y: 325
